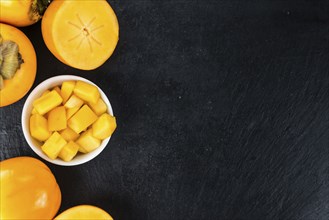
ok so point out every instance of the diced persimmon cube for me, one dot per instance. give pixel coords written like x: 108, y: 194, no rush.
x: 45, y: 92
x: 86, y: 91
x: 73, y: 101
x: 57, y: 119
x: 53, y: 145
x: 87, y: 141
x: 71, y: 111
x: 82, y: 119
x: 67, y: 89
x: 47, y: 102
x: 58, y: 90
x: 39, y: 127
x: 34, y: 111
x: 69, y: 151
x: 99, y: 108
x: 104, y: 126
x: 81, y: 150
x: 69, y: 135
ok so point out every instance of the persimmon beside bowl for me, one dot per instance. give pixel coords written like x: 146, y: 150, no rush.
x: 35, y: 144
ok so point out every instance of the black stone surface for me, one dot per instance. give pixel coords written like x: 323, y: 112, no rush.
x: 222, y: 110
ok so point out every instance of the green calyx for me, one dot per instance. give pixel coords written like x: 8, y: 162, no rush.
x: 37, y: 9
x: 10, y: 59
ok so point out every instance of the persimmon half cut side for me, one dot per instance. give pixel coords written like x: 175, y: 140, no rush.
x: 81, y: 34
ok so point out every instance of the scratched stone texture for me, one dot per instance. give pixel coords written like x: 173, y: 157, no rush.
x: 222, y: 111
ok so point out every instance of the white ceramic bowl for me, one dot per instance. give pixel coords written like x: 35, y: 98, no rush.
x: 35, y: 144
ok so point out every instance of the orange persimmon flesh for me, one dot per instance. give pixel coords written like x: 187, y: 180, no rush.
x: 15, y: 88
x: 81, y: 34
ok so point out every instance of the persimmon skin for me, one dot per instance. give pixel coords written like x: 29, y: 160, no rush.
x: 16, y: 88
x: 81, y: 212
x: 17, y: 13
x: 28, y: 190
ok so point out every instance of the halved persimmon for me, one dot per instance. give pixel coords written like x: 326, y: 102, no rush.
x: 18, y: 64
x: 81, y: 34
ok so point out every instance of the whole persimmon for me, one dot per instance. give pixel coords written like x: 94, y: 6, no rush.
x: 28, y: 190
x: 18, y: 64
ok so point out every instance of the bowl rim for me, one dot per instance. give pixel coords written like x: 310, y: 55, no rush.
x: 26, y: 112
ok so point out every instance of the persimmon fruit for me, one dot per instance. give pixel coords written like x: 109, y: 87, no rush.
x: 81, y: 34
x: 22, y: 13
x: 84, y: 212
x: 18, y: 64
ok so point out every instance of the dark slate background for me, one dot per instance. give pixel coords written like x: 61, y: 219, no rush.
x: 222, y: 110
